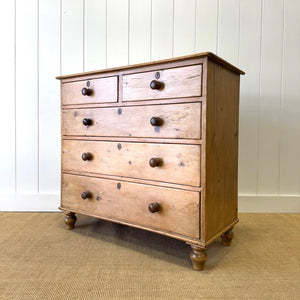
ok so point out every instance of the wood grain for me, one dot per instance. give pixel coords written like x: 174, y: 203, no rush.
x: 168, y: 153
x: 180, y: 121
x: 187, y: 59
x: 222, y: 110
x: 103, y: 90
x: 177, y: 82
x: 181, y: 163
x: 133, y: 139
x: 135, y: 103
x: 139, y: 180
x: 179, y: 209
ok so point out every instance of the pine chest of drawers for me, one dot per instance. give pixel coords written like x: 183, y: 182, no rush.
x: 154, y: 146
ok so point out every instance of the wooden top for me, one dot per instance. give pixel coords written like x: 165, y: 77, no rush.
x: 210, y: 55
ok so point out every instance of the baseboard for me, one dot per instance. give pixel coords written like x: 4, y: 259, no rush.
x: 269, y: 204
x: 247, y: 203
x: 29, y: 202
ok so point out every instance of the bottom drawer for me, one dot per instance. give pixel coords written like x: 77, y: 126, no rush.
x: 178, y: 210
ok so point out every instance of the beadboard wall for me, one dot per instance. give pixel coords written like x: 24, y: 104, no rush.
x: 45, y: 38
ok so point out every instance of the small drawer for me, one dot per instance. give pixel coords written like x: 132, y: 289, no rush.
x: 180, y: 121
x: 173, y: 210
x: 160, y: 162
x: 161, y: 84
x: 98, y: 90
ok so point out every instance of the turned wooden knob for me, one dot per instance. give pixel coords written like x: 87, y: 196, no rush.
x: 86, y: 195
x: 156, y: 85
x: 86, y: 92
x: 155, y: 162
x: 86, y: 156
x: 154, y: 207
x: 86, y: 122
x: 155, y: 121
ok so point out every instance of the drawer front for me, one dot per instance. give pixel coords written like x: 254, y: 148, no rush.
x: 170, y: 163
x: 178, y: 211
x: 177, y: 121
x: 98, y: 90
x: 172, y: 83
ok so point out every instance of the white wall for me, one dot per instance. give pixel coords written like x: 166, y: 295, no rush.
x: 45, y: 38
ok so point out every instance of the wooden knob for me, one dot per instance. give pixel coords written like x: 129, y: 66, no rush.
x: 86, y: 195
x: 154, y: 207
x: 86, y: 92
x: 87, y: 122
x: 86, y: 156
x: 155, y: 162
x: 156, y: 85
x: 155, y: 121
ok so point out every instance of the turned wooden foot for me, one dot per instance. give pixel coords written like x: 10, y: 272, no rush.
x: 227, y: 237
x: 198, y: 257
x: 70, y: 220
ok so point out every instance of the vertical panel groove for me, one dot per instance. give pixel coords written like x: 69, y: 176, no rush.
x: 26, y: 96
x: 239, y: 42
x: 38, y: 95
x: 128, y: 34
x: 117, y: 33
x: 281, y: 95
x: 195, y: 35
x: 49, y: 64
x: 271, y: 73
x: 106, y: 33
x: 15, y: 90
x: 60, y: 37
x: 83, y: 35
x: 162, y: 29
x: 76, y: 50
x: 218, y: 29
x: 259, y: 96
x: 151, y: 30
x: 173, y: 18
x: 290, y: 121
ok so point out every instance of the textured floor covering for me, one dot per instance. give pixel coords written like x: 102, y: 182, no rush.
x: 40, y: 259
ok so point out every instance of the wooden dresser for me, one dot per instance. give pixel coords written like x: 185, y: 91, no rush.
x: 154, y: 146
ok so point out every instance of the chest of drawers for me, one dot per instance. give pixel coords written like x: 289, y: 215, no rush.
x: 154, y: 146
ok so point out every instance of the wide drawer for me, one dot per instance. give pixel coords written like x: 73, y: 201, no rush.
x: 98, y: 90
x: 170, y: 162
x: 182, y: 121
x: 178, y: 212
x: 168, y: 83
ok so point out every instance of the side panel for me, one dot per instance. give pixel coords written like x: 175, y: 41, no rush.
x: 221, y: 190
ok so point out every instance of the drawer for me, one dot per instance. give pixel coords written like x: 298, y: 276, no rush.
x: 170, y: 83
x: 178, y: 209
x: 98, y: 90
x: 170, y: 162
x: 172, y: 120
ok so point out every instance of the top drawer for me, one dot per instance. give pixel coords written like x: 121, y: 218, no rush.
x: 98, y: 90
x: 162, y: 84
